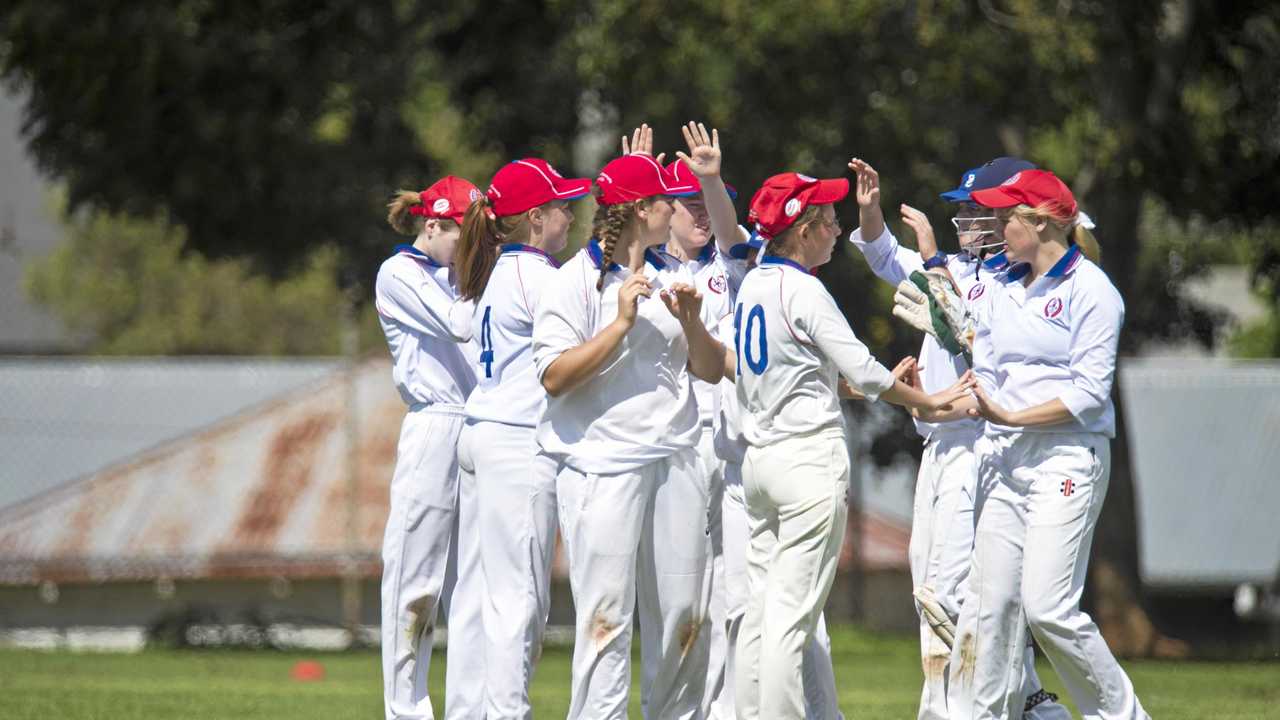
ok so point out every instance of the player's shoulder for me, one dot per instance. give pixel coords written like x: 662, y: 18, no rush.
x: 1094, y: 281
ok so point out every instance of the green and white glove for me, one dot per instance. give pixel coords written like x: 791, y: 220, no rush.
x: 928, y: 301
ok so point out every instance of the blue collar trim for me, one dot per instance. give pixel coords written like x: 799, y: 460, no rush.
x: 597, y: 254
x: 778, y: 260
x: 1066, y: 263
x: 520, y: 248
x: 408, y: 249
x: 651, y: 256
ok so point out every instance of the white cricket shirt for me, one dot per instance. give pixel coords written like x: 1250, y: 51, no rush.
x: 414, y: 296
x: 507, y: 387
x: 893, y: 263
x: 792, y: 344
x: 639, y: 407
x: 1056, y: 338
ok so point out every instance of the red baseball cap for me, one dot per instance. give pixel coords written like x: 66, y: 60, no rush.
x: 449, y: 197
x: 638, y: 176
x: 783, y: 198
x: 1033, y: 188
x: 684, y: 175
x: 528, y: 183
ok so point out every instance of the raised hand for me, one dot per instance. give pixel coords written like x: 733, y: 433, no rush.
x: 633, y: 288
x: 867, y: 185
x: 641, y: 143
x: 919, y: 223
x: 684, y: 302
x: 704, y: 150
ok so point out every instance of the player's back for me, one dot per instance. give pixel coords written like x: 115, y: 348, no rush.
x: 507, y: 388
x: 792, y: 343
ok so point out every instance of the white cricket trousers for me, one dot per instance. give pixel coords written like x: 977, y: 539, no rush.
x: 637, y: 538
x: 820, y: 700
x: 714, y: 633
x: 517, y: 528
x: 796, y: 492
x: 942, y: 532
x: 429, y: 556
x: 1038, y: 499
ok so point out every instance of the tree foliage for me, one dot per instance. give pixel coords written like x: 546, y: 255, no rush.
x: 126, y: 284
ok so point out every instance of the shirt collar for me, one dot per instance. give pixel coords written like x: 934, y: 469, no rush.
x: 779, y: 260
x: 521, y: 248
x: 1066, y: 263
x: 597, y: 254
x: 408, y: 249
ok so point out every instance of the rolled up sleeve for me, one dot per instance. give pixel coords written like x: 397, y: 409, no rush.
x: 1097, y: 313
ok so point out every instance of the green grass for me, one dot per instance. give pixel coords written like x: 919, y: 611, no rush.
x: 878, y: 678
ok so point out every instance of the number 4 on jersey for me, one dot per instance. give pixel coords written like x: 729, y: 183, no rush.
x: 486, y: 343
x: 755, y: 318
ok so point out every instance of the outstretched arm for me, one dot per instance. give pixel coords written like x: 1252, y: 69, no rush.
x: 704, y: 160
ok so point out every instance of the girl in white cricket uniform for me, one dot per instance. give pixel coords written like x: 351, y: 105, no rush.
x: 504, y: 266
x: 942, y: 520
x: 820, y: 698
x: 792, y: 344
x: 1044, y: 352
x: 622, y: 425
x: 415, y: 293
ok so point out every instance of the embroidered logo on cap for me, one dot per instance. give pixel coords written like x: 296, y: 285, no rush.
x: 805, y: 178
x: 976, y: 291
x: 1053, y: 308
x: 968, y: 181
x: 1012, y: 178
x: 792, y: 207
x: 441, y: 205
x: 474, y: 195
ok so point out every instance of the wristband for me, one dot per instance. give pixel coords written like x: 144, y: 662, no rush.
x: 936, y: 261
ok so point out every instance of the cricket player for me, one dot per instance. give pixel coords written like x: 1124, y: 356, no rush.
x: 504, y: 266
x: 430, y: 531
x: 942, y: 519
x: 792, y: 344
x: 1044, y: 355
x: 622, y: 425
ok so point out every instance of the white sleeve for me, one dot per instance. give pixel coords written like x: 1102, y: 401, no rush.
x: 816, y: 314
x: 888, y: 260
x: 1097, y: 313
x: 984, y: 366
x: 562, y: 318
x: 461, y: 316
x: 417, y: 303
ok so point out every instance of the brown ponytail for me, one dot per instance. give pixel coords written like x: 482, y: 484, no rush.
x: 607, y: 227
x: 477, y: 250
x: 399, y: 216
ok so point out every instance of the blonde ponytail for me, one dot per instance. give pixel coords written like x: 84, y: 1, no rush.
x: 1088, y: 244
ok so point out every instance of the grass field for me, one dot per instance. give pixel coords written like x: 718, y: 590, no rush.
x: 878, y: 678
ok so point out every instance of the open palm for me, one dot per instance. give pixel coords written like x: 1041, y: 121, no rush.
x: 704, y: 150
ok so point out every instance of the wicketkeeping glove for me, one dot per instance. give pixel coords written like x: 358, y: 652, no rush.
x: 928, y: 301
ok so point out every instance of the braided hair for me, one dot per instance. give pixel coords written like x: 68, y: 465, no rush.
x: 607, y: 227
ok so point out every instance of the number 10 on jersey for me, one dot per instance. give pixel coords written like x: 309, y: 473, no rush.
x: 742, y: 339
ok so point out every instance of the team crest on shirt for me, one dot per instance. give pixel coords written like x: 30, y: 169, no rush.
x: 1053, y: 308
x: 717, y: 284
x: 976, y: 291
